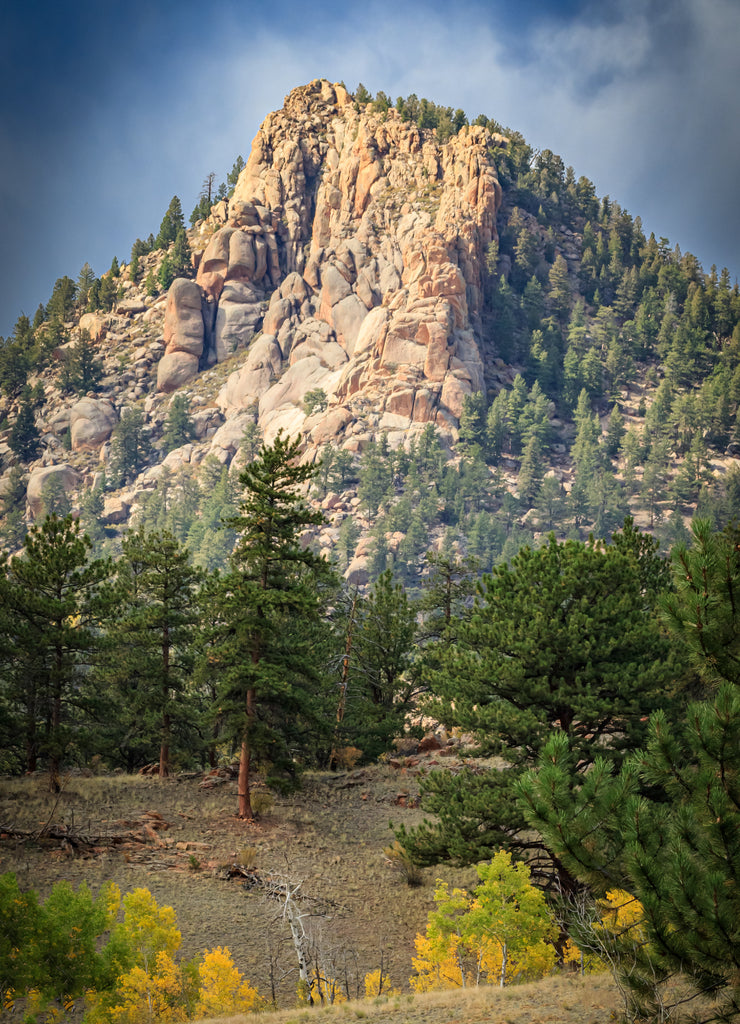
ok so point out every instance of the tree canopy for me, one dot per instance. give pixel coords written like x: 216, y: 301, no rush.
x: 666, y: 827
x: 564, y: 637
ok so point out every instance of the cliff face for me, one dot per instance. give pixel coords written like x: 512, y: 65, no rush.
x: 368, y: 237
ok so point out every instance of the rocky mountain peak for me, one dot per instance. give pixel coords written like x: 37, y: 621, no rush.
x: 347, y: 263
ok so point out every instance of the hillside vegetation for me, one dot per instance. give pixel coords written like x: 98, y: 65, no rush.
x: 357, y: 495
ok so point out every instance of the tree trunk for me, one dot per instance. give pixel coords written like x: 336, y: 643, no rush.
x: 299, y: 943
x: 31, y: 746
x: 245, y: 803
x: 341, y: 706
x: 504, y: 962
x: 54, y: 757
x: 164, y: 749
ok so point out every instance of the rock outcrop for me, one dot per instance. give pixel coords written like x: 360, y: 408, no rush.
x: 63, y: 476
x: 91, y: 423
x: 369, y: 237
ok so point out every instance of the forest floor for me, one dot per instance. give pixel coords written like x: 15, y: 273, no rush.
x: 179, y: 837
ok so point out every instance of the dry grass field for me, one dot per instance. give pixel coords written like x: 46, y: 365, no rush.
x: 330, y: 837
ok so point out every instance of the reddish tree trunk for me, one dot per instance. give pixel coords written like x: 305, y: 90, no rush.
x: 245, y: 803
x: 164, y: 749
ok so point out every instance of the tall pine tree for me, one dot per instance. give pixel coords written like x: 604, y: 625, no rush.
x: 269, y: 600
x: 51, y: 603
x: 155, y: 635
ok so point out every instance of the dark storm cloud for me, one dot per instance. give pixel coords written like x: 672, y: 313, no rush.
x: 106, y: 111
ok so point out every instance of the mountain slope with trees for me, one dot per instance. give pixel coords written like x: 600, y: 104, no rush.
x: 606, y: 379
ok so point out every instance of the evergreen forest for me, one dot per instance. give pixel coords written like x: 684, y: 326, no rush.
x: 559, y: 591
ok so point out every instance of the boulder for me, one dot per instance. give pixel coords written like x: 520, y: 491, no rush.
x: 357, y: 572
x: 230, y: 435
x: 334, y: 286
x: 454, y: 391
x: 67, y: 475
x: 331, y: 425
x: 130, y: 307
x: 348, y: 316
x: 115, y: 511
x: 183, y: 319
x: 59, y: 422
x: 206, y: 422
x: 401, y: 402
x: 94, y: 324
x: 175, y: 369
x: 91, y: 422
x: 329, y: 353
x: 260, y: 369
x: 305, y: 375
x: 371, y: 331
x: 237, y: 318
x: 242, y: 258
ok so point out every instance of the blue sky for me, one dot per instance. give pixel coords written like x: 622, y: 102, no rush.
x: 107, y: 110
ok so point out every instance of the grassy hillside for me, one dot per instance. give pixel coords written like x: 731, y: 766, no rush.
x: 331, y: 837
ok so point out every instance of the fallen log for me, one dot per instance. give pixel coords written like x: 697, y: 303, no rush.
x: 145, y: 831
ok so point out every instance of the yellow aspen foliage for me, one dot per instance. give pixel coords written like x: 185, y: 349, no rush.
x: 145, y: 997
x: 111, y: 898
x: 374, y: 986
x: 619, y: 930
x: 139, y: 959
x: 328, y: 990
x: 512, y: 915
x: 223, y: 990
x: 437, y: 963
x: 622, y: 913
x: 148, y: 929
x: 500, y: 933
x: 321, y: 988
x: 586, y: 962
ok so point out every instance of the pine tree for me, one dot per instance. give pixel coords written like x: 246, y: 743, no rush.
x: 178, y: 427
x: 156, y: 630
x: 565, y: 635
x: 24, y: 438
x: 91, y: 504
x: 615, y: 432
x: 150, y: 285
x: 666, y: 828
x: 381, y: 683
x: 172, y: 222
x: 233, y: 176
x: 473, y: 422
x: 264, y: 657
x: 130, y: 447
x: 81, y: 370
x: 54, y: 498
x: 166, y: 273
x: 559, y: 294
x: 84, y: 284
x: 13, y: 508
x: 48, y: 632
x: 62, y: 301
x: 550, y: 503
x: 181, y: 255
x: 531, y: 472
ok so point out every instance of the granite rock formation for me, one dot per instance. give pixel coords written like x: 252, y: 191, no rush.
x: 349, y: 261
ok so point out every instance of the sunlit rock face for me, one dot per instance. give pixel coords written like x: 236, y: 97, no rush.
x: 349, y: 261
